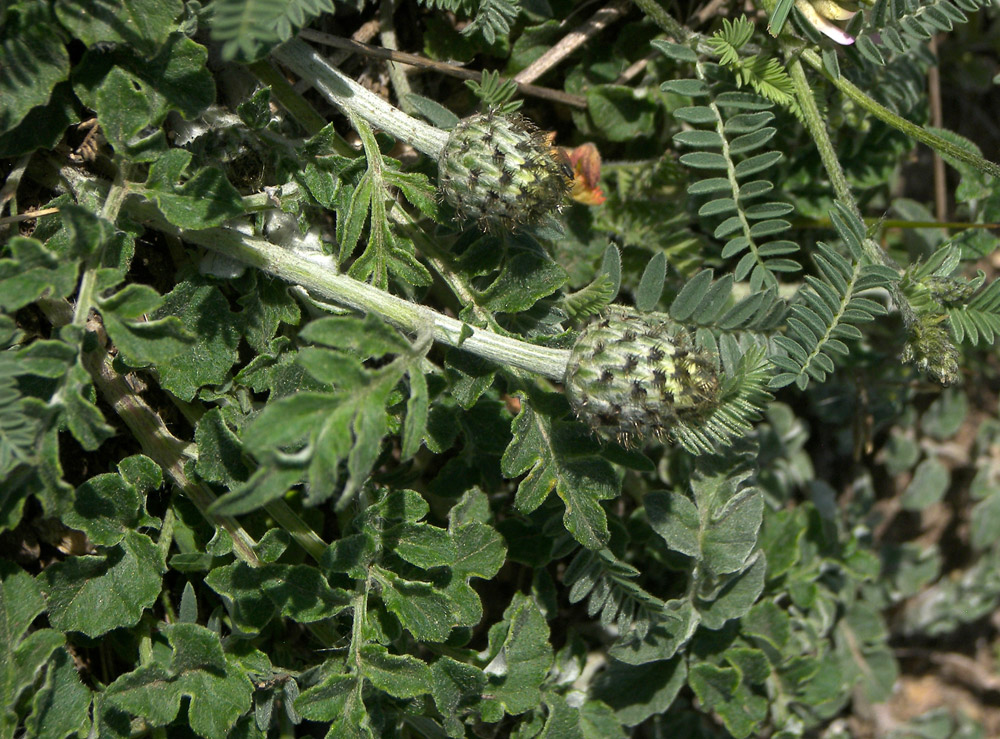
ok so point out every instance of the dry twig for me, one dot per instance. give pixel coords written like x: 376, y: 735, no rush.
x: 573, y: 40
x: 545, y: 93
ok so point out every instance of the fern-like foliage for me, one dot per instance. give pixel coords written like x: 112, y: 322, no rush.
x: 609, y: 586
x: 901, y: 24
x: 495, y: 94
x: 732, y: 140
x: 740, y: 332
x: 708, y: 305
x: 765, y: 75
x: 932, y: 288
x: 598, y: 294
x: 829, y: 307
x: 491, y: 18
x: 388, y: 253
x: 248, y: 28
x: 897, y: 83
x: 742, y: 395
x: 979, y: 319
x: 727, y: 331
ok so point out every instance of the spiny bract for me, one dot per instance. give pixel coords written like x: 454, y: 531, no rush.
x: 633, y: 375
x: 500, y: 171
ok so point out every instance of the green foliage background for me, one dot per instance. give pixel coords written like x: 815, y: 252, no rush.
x: 230, y: 507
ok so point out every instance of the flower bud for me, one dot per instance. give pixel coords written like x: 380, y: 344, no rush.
x: 500, y: 171
x: 633, y: 375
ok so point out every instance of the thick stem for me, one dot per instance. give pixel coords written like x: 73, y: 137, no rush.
x: 354, y: 99
x: 169, y: 452
x: 316, y: 273
x: 359, y: 608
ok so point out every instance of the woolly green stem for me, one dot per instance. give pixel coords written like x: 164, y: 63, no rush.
x: 316, y: 273
x: 85, y: 296
x: 942, y: 146
x: 359, y: 613
x: 300, y: 531
x: 169, y: 452
x: 354, y: 99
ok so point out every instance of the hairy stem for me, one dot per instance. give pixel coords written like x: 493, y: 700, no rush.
x: 354, y: 99
x: 817, y: 129
x: 359, y: 608
x: 878, y: 110
x: 88, y: 283
x: 156, y: 440
x: 317, y: 273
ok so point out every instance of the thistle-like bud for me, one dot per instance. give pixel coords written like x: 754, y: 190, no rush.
x: 633, y: 375
x: 499, y: 170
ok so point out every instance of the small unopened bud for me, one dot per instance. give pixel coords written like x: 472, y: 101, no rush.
x: 950, y: 291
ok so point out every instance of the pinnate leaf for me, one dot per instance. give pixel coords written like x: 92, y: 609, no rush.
x: 30, y: 271
x: 636, y: 692
x: 95, y: 594
x: 455, y: 685
x: 402, y: 676
x: 22, y: 654
x: 205, y: 314
x: 560, y: 456
x: 520, y: 656
x: 422, y: 609
x: 61, y: 706
x: 204, y: 199
x: 29, y: 50
x: 143, y: 24
x: 218, y: 696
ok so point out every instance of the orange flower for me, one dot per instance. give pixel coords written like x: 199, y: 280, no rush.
x: 585, y: 162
